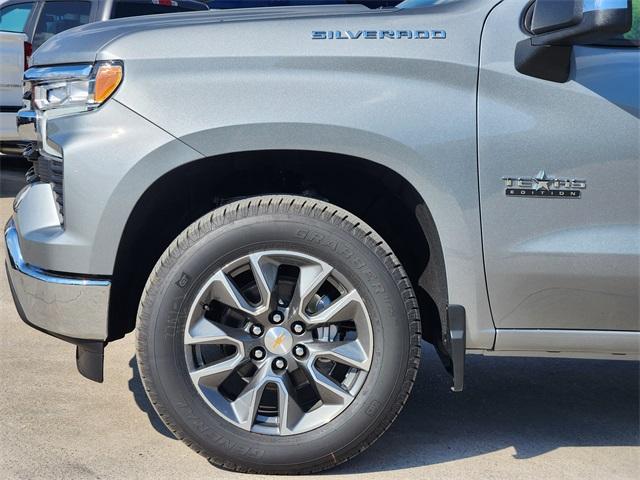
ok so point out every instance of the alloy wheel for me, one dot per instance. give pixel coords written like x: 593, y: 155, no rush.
x: 278, y: 342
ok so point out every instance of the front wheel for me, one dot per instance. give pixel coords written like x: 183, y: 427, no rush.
x: 278, y: 334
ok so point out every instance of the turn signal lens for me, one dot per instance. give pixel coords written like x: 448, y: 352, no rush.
x: 107, y: 80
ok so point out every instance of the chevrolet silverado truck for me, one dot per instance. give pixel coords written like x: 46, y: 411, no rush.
x: 39, y: 20
x: 284, y: 202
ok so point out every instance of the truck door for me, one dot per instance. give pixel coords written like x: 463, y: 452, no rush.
x: 559, y: 171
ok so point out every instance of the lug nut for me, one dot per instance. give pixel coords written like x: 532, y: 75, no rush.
x: 297, y: 328
x: 258, y: 353
x: 299, y: 351
x: 256, y: 330
x: 277, y: 317
x: 279, y: 364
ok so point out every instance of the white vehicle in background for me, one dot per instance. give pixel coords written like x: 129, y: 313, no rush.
x: 14, y: 50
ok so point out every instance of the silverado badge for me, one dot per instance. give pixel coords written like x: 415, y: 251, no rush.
x: 378, y: 34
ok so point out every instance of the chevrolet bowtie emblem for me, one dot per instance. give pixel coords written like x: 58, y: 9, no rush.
x: 278, y: 341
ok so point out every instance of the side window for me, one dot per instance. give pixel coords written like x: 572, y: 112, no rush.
x: 136, y: 8
x: 57, y: 17
x: 13, y: 18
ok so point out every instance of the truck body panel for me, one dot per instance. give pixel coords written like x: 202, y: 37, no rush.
x: 557, y: 263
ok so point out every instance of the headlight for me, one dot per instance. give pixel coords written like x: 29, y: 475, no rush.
x: 74, y: 87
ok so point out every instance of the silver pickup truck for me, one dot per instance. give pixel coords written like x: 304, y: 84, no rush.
x: 284, y: 202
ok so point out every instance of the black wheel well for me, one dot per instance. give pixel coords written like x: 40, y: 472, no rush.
x: 376, y: 194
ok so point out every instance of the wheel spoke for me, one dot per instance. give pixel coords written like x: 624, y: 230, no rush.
x: 330, y: 393
x: 341, y: 309
x: 213, y: 375
x: 246, y: 404
x: 350, y: 353
x: 310, y: 279
x: 289, y: 412
x: 265, y: 273
x: 224, y: 291
x: 205, y: 331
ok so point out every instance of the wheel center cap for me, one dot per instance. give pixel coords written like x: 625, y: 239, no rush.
x: 278, y: 340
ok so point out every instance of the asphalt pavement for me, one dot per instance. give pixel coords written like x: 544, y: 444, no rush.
x: 517, y: 418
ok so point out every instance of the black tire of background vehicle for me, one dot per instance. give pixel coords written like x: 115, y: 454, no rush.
x: 305, y: 225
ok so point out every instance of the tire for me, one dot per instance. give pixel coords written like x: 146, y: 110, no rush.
x: 385, y: 321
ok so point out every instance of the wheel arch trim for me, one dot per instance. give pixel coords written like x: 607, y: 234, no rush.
x: 443, y: 206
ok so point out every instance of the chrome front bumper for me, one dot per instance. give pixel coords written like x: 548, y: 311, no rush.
x: 64, y: 306
x: 27, y: 125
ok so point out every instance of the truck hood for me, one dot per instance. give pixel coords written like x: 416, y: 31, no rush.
x: 81, y: 44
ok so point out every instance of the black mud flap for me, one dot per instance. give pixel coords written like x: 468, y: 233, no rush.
x: 456, y: 319
x: 90, y: 360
